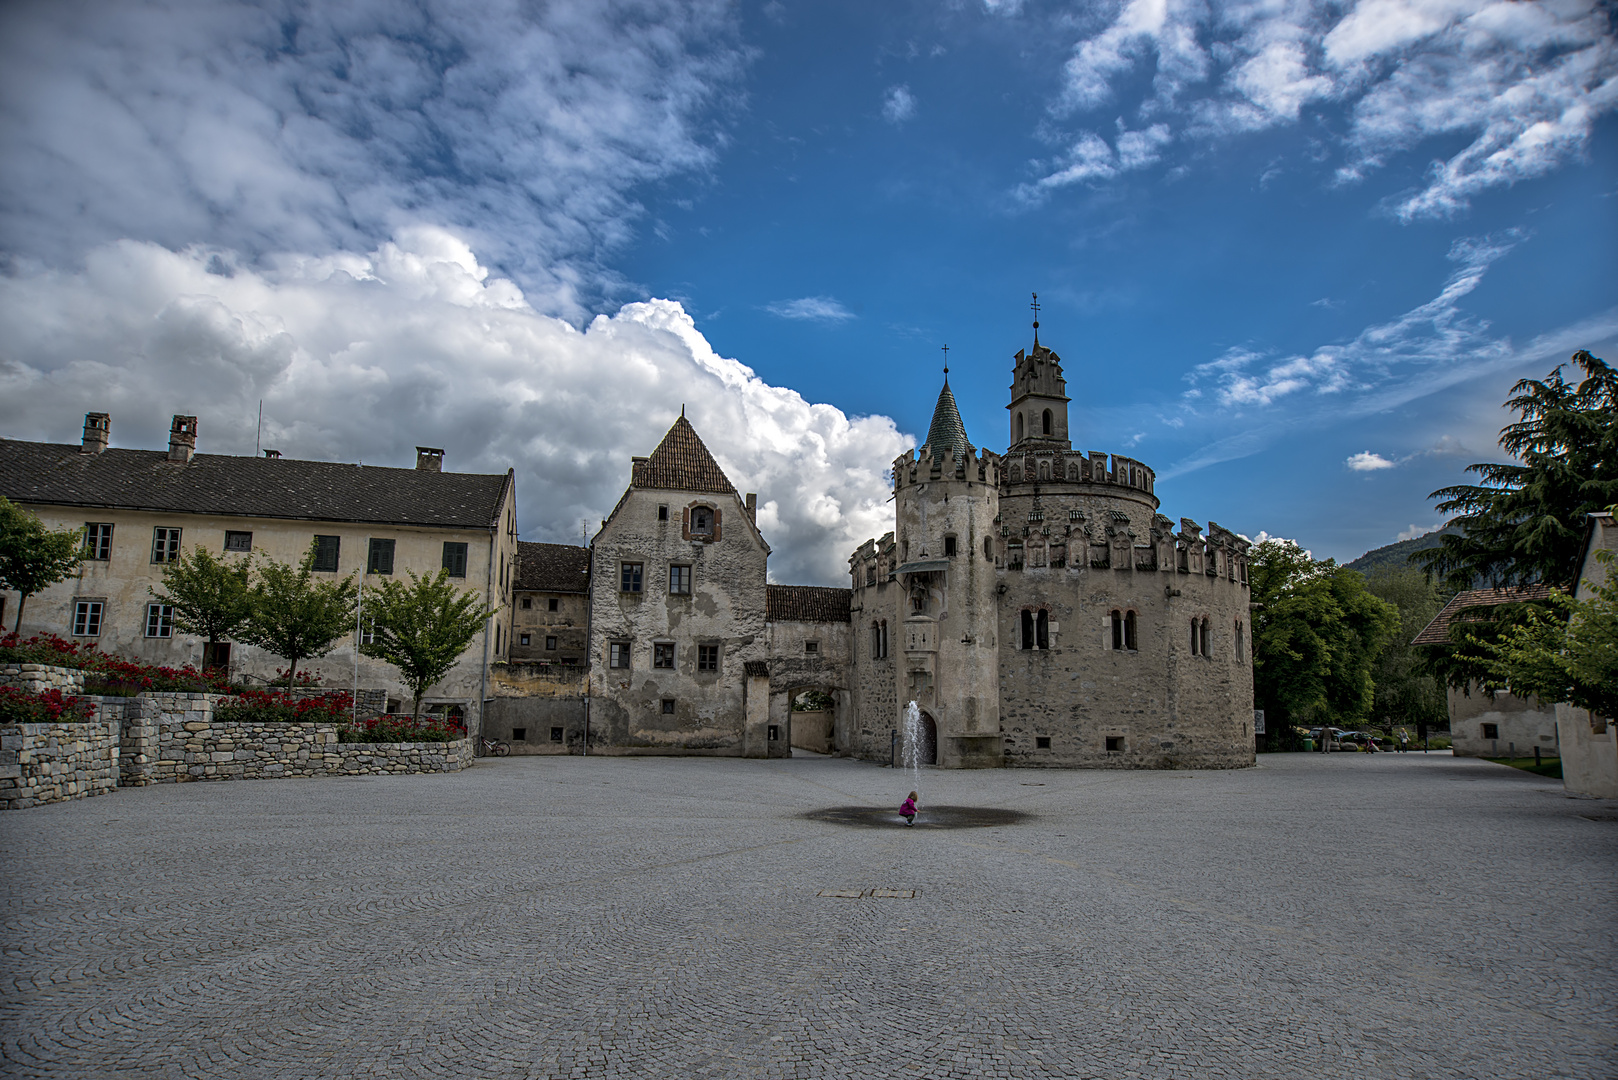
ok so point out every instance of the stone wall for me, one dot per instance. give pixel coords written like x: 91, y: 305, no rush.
x: 38, y: 678
x: 46, y: 763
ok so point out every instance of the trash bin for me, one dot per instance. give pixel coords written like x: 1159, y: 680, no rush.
x: 1309, y: 745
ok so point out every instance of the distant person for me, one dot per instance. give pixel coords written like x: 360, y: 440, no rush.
x: 907, y: 809
x: 1404, y: 741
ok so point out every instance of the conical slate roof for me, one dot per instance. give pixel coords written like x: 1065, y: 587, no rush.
x: 681, y: 463
x: 947, y: 435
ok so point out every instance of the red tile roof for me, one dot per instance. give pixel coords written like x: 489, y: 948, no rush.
x: 806, y: 603
x: 681, y: 463
x: 1437, y: 631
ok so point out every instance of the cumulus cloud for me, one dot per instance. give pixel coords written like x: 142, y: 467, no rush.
x: 1365, y: 461
x: 328, y: 127
x: 810, y: 308
x: 362, y: 357
x: 898, y: 104
x: 1519, y: 85
x: 1419, y: 530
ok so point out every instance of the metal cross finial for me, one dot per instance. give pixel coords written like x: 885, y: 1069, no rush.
x: 1035, y: 306
x: 946, y: 363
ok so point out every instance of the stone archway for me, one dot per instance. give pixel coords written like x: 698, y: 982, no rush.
x: 927, y: 748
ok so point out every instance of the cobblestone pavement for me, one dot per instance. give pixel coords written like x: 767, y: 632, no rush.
x: 1350, y: 916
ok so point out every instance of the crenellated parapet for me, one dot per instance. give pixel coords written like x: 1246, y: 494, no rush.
x: 1049, y: 532
x: 1053, y: 466
x: 955, y: 463
x: 873, y: 562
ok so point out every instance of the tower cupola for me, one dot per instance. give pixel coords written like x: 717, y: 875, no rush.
x: 1038, y: 398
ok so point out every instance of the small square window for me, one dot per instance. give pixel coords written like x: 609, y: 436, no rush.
x: 380, y: 560
x: 519, y: 734
x: 775, y: 733
x: 680, y: 580
x: 1115, y: 744
x: 165, y: 544
x: 811, y: 647
x: 1491, y: 731
x: 327, y: 549
x: 1042, y: 742
x: 556, y: 734
x: 668, y: 706
x: 159, y: 620
x: 663, y: 654
x: 550, y: 643
x: 553, y: 604
x: 707, y: 658
x: 949, y: 547
x: 629, y: 577
x: 527, y: 602
x: 97, y: 541
x: 618, y: 654
x: 238, y: 541
x: 455, y: 559
x: 525, y: 639
x: 87, y: 618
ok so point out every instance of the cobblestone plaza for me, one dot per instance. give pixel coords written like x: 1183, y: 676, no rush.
x: 1345, y: 916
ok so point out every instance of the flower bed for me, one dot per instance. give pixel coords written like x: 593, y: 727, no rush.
x: 106, y: 674
x: 48, y: 707
x: 401, y: 728
x: 278, y: 706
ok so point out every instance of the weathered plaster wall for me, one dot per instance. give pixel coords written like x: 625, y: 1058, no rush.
x: 568, y: 626
x: 535, y: 700
x: 793, y: 669
x: 1589, y: 744
x: 1520, y: 724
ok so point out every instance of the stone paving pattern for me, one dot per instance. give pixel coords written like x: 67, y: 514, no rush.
x: 1343, y: 916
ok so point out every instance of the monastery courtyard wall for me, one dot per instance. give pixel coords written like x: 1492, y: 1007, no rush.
x: 615, y: 917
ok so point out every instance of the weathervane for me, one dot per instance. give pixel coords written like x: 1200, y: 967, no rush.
x: 946, y: 363
x: 1035, y: 306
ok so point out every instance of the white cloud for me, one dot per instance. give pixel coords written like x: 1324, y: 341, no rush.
x: 1090, y: 158
x: 1520, y: 84
x: 1366, y: 461
x: 1419, y: 530
x: 326, y: 128
x: 362, y: 357
x: 810, y: 308
x: 898, y: 104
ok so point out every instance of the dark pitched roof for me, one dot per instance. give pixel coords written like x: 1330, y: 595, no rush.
x: 947, y: 434
x: 680, y: 463
x: 806, y: 603
x: 551, y: 568
x: 1437, y: 631
x: 58, y: 474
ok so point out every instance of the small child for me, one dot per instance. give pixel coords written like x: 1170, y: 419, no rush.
x: 907, y: 809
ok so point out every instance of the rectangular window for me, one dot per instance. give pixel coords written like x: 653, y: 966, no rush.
x: 811, y: 647
x: 663, y: 654
x: 87, y: 618
x: 556, y: 734
x: 553, y: 605
x: 1042, y: 742
x: 550, y: 643
x: 618, y: 654
x: 775, y: 733
x: 367, y: 631
x: 668, y: 706
x: 949, y: 547
x: 707, y: 658
x: 680, y: 580
x: 380, y: 559
x: 525, y: 639
x: 527, y: 602
x: 1115, y: 744
x: 1491, y: 731
x: 519, y: 734
x: 326, y: 551
x: 97, y: 540
x: 165, y: 544
x: 238, y: 541
x: 629, y: 577
x: 159, y: 620
x: 455, y: 559
x: 662, y: 513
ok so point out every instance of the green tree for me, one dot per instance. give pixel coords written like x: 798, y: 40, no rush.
x: 294, y: 615
x: 422, y: 628
x: 32, y: 557
x: 1316, y: 636
x: 211, y: 597
x: 1407, y: 692
x: 1567, y: 651
x: 1525, y: 523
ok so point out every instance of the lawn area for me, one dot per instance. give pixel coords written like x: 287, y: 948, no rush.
x: 1550, y: 766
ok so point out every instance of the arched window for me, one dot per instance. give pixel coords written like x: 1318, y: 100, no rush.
x: 1118, y: 631
x: 1042, y: 629
x: 1239, y: 655
x: 1045, y: 422
x: 1027, y: 629
x: 1194, y: 641
x: 1073, y: 470
x: 1130, y: 644
x: 1203, y: 629
x: 876, y: 641
x: 1016, y: 473
x: 884, y: 637
x: 701, y: 521
x: 1019, y: 427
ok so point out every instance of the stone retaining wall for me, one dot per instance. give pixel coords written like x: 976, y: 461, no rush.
x: 38, y: 678
x: 46, y: 763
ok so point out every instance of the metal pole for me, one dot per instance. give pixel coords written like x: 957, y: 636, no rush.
x: 359, y: 636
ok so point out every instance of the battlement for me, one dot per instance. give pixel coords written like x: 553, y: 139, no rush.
x: 1057, y: 537
x: 1053, y: 466
x: 912, y: 467
x: 872, y: 562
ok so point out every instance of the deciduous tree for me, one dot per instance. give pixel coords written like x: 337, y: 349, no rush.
x: 1407, y: 692
x: 1565, y: 651
x: 211, y: 597
x: 422, y: 628
x: 32, y: 557
x: 295, y: 615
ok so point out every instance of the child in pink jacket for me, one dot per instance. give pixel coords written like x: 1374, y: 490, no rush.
x: 907, y: 809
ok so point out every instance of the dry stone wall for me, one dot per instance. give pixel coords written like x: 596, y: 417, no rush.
x: 46, y: 763
x: 38, y: 678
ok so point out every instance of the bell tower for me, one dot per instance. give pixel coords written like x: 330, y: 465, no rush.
x: 1038, y: 398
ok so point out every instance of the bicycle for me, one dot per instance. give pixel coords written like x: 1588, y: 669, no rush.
x: 496, y: 747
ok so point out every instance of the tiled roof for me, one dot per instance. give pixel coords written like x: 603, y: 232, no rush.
x: 947, y: 434
x: 59, y: 475
x: 552, y: 568
x: 1437, y: 631
x: 681, y: 463
x: 806, y: 603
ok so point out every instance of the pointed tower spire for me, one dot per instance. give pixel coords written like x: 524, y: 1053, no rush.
x: 947, y: 434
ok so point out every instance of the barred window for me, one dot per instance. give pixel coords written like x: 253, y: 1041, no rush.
x: 98, y: 541
x: 327, y: 549
x: 87, y: 618
x: 630, y: 575
x: 165, y: 544
x: 159, y: 620
x: 707, y: 658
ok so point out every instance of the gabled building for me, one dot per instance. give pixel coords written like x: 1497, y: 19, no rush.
x: 550, y: 605
x: 141, y: 508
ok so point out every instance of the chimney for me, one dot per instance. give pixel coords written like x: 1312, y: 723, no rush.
x: 752, y: 507
x: 97, y: 430
x: 183, y: 439
x: 274, y: 454
x: 429, y: 459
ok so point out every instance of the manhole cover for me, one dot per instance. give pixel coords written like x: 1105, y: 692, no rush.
x: 931, y: 817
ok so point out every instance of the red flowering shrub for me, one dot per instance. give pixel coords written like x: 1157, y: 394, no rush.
x: 51, y: 707
x: 399, y: 727
x: 278, y: 706
x: 105, y: 674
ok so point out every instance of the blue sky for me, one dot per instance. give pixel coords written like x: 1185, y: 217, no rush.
x: 1293, y: 255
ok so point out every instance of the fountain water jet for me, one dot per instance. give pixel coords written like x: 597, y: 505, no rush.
x: 912, y: 745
